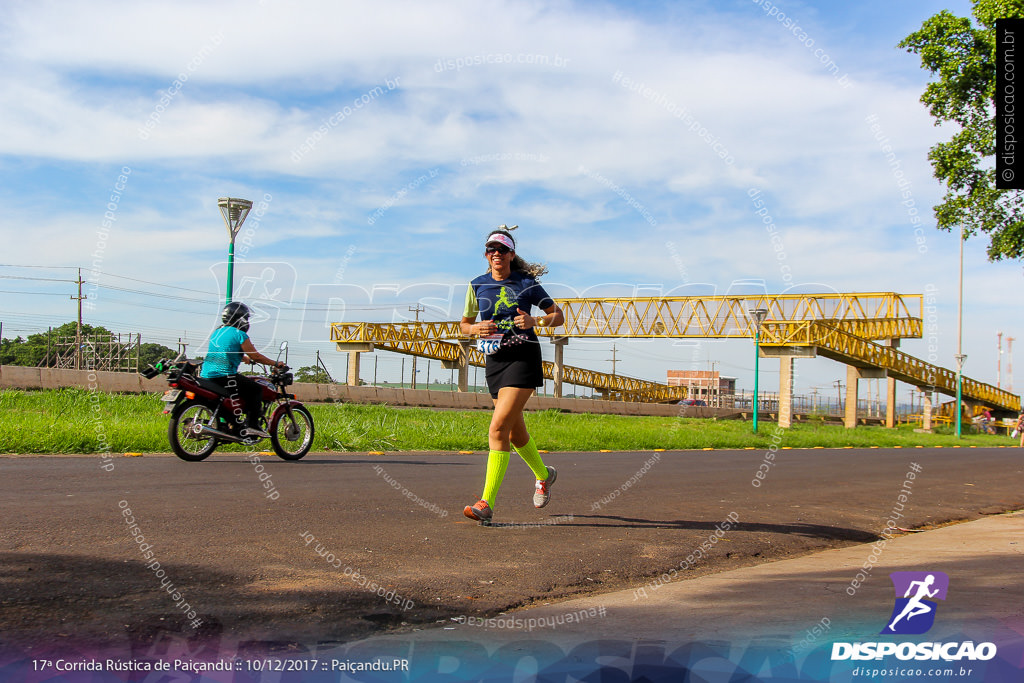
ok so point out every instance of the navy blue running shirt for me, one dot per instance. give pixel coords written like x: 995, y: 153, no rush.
x: 498, y: 300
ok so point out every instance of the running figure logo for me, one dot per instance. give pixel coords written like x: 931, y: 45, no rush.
x: 506, y: 302
x: 913, y: 613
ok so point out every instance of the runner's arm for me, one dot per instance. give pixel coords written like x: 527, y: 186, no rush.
x: 468, y: 325
x: 553, y: 317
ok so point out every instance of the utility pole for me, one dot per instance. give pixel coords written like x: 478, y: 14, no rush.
x: 613, y: 359
x: 999, y: 361
x: 417, y: 309
x: 1009, y: 363
x: 715, y: 385
x: 78, y: 327
x: 839, y: 394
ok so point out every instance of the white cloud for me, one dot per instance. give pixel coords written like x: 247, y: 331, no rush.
x: 507, y: 141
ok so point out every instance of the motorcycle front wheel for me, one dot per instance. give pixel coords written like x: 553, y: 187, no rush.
x: 186, y: 443
x: 292, y: 438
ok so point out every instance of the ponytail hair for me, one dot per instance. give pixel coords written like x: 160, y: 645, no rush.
x: 519, y: 264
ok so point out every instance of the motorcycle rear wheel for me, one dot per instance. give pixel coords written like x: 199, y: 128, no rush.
x: 292, y: 440
x: 185, y: 443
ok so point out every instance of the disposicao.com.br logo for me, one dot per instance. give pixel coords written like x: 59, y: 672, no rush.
x: 913, y: 613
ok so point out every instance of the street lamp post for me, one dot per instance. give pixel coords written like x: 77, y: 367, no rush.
x: 234, y: 212
x: 757, y: 315
x: 960, y: 358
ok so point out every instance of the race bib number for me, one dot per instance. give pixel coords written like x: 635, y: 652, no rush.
x: 489, y: 345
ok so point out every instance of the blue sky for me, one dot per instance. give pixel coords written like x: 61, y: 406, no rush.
x: 385, y: 138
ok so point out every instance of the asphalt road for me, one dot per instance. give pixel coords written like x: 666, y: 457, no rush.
x: 353, y: 545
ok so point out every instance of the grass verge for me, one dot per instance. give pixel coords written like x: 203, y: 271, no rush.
x: 80, y: 421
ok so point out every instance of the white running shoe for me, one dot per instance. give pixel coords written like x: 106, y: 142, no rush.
x: 542, y: 495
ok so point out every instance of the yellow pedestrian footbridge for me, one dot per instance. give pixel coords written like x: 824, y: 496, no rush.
x: 427, y: 340
x: 837, y: 343
x: 845, y: 327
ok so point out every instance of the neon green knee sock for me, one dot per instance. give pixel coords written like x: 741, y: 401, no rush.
x: 497, y: 463
x: 528, y: 452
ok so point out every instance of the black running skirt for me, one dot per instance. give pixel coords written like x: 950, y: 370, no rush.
x: 518, y: 366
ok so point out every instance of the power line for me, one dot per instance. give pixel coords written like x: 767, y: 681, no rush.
x: 15, y: 265
x: 11, y: 291
x: 161, y: 295
x: 104, y: 274
x: 39, y: 279
x: 305, y: 306
x: 158, y: 284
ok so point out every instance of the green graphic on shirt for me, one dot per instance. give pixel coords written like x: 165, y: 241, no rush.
x: 508, y: 304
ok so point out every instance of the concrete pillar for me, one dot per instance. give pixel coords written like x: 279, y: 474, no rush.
x: 464, y: 366
x: 852, y: 382
x: 353, y: 349
x: 785, y: 392
x: 890, y: 394
x: 557, y: 372
x: 353, y: 368
x: 967, y: 415
x: 461, y: 364
x: 926, y: 418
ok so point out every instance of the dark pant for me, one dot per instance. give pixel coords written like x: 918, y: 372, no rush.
x: 248, y: 390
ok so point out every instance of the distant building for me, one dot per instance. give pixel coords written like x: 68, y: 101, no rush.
x: 706, y: 385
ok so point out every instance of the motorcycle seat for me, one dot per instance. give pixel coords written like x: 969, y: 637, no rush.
x: 214, y: 387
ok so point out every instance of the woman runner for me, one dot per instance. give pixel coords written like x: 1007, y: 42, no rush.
x: 503, y: 297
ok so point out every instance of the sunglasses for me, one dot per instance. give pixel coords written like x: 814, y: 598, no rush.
x: 499, y: 249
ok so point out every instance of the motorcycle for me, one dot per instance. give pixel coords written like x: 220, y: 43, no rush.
x: 203, y: 413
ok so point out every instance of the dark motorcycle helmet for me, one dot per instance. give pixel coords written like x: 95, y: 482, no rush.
x: 236, y: 314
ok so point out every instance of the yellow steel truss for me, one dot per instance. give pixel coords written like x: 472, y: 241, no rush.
x: 892, y: 315
x: 839, y: 344
x: 839, y: 325
x: 425, y: 339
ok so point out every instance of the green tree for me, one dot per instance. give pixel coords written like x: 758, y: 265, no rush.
x: 963, y: 57
x: 32, y: 351
x: 151, y: 353
x: 13, y: 352
x: 312, y: 373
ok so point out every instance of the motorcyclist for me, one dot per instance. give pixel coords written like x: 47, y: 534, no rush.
x: 229, y: 346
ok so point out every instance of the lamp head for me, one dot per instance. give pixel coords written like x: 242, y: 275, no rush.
x: 234, y: 211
